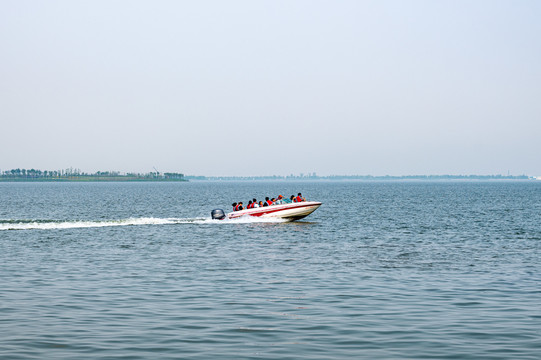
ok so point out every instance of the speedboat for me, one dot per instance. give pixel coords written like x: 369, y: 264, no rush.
x: 288, y: 212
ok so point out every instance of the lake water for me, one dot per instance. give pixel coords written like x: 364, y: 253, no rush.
x: 388, y: 270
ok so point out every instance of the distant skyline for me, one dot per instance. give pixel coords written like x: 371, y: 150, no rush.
x: 243, y: 88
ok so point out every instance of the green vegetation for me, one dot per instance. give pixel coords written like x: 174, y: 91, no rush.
x: 77, y: 175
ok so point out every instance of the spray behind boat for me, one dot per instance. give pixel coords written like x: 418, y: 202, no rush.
x: 217, y: 214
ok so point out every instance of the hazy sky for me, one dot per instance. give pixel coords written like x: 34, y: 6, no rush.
x: 272, y: 87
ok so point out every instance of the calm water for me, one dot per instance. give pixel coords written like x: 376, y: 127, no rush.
x: 390, y: 270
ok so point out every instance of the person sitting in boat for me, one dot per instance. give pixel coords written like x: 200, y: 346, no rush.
x: 292, y: 198
x: 261, y: 204
x: 234, y: 206
x: 299, y: 198
x: 254, y: 204
x: 267, y: 202
x: 284, y: 200
x: 250, y: 205
x: 279, y: 201
x: 239, y: 207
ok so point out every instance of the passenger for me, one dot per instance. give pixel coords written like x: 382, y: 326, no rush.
x: 267, y: 202
x: 292, y: 198
x: 280, y: 200
x: 299, y: 198
x: 239, y: 207
x: 273, y: 201
x: 234, y: 206
x: 250, y: 205
x: 255, y: 204
x: 261, y: 204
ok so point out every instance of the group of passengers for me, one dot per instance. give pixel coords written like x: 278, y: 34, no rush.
x: 268, y: 202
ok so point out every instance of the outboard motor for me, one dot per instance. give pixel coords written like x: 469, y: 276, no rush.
x: 217, y: 214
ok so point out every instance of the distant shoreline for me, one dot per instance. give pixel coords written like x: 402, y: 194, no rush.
x: 112, y: 179
x: 76, y: 175
x: 118, y: 180
x: 360, y: 177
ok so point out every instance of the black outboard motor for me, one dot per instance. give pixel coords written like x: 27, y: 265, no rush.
x: 217, y: 214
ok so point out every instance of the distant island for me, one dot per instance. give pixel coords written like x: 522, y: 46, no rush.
x: 77, y: 175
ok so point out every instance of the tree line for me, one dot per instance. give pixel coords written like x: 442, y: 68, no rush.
x: 71, y: 173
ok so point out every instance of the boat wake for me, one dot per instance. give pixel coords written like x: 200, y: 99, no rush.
x: 74, y: 224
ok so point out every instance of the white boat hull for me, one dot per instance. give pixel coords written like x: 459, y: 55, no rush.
x: 290, y: 212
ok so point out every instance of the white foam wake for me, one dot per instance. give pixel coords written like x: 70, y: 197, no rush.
x: 74, y: 224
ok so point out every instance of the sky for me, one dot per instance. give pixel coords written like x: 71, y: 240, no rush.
x: 225, y: 88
